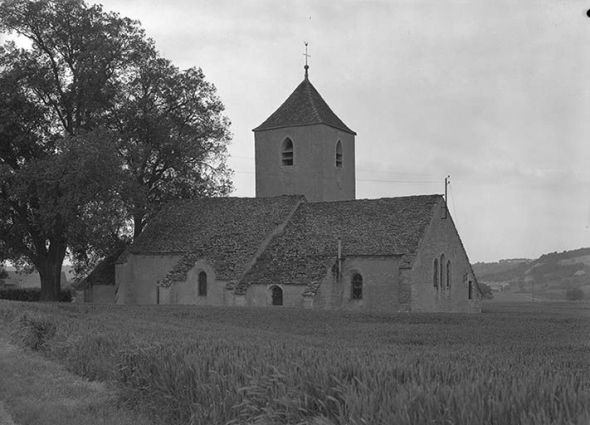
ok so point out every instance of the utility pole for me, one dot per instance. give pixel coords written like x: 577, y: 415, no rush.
x: 447, y: 182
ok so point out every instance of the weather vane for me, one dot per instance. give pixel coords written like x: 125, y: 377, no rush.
x: 306, y: 56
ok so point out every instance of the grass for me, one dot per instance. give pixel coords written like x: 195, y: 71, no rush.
x: 515, y: 363
x: 39, y: 392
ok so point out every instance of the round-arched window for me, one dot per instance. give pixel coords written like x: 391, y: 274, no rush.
x: 356, y: 287
x: 277, y: 295
x: 339, y: 154
x: 435, y: 275
x: 202, y: 290
x: 287, y: 152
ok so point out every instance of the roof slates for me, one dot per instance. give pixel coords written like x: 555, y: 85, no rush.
x: 305, y: 106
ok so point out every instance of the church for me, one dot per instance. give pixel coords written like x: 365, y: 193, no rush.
x: 304, y: 241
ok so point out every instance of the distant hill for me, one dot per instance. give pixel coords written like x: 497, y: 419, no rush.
x: 551, y: 274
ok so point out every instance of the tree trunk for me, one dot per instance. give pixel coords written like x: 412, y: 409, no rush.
x: 49, y: 268
x: 137, y: 224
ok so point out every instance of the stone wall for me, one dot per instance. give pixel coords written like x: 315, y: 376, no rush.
x: 261, y: 295
x: 136, y: 278
x: 314, y: 172
x: 100, y: 294
x: 381, y: 285
x: 442, y: 238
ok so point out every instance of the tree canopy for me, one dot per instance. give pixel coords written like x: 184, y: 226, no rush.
x: 97, y: 131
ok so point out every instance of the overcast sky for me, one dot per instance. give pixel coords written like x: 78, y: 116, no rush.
x: 494, y: 93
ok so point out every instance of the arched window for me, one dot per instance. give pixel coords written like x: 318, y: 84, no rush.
x: 202, y: 284
x: 449, y: 274
x: 339, y: 154
x: 277, y: 295
x: 356, y: 287
x: 287, y: 152
x: 435, y: 275
x: 442, y: 271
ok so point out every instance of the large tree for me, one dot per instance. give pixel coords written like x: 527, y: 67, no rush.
x: 172, y: 136
x: 96, y: 132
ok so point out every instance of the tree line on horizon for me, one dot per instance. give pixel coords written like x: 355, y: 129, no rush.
x: 97, y: 132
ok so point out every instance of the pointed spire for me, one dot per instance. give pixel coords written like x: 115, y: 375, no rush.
x: 306, y: 67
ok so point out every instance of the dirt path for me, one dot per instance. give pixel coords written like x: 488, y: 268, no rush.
x: 35, y: 391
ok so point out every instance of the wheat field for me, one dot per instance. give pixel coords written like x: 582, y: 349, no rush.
x: 513, y: 364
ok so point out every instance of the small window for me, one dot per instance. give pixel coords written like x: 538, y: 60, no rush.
x: 287, y: 152
x: 442, y: 271
x: 277, y: 295
x: 435, y: 275
x: 470, y: 286
x: 356, y: 290
x: 339, y: 154
x: 202, y: 284
x: 449, y: 274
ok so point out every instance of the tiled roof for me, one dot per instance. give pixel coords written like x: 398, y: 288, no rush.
x: 305, y: 106
x: 308, y: 247
x: 103, y: 273
x: 227, y: 232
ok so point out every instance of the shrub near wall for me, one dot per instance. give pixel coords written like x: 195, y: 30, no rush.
x: 30, y: 294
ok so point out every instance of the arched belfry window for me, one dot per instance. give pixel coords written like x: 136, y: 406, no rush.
x: 277, y: 295
x: 356, y: 287
x: 287, y: 152
x: 442, y: 271
x: 339, y: 154
x: 435, y: 275
x: 202, y: 290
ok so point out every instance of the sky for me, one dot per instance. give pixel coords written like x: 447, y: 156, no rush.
x: 493, y: 93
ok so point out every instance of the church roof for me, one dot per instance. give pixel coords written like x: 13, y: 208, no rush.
x: 227, y: 232
x: 103, y: 273
x: 308, y: 247
x: 305, y: 106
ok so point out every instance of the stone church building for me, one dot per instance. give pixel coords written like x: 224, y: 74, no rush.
x: 304, y: 240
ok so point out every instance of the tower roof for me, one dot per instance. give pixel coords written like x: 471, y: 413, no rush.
x: 305, y: 106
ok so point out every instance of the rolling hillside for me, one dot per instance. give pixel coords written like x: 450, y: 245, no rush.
x: 551, y: 274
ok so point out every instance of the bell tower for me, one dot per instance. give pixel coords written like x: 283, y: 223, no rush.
x: 303, y: 148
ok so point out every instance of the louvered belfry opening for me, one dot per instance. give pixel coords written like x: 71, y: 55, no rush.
x: 287, y: 152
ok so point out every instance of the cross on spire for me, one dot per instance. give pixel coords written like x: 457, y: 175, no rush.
x: 306, y: 67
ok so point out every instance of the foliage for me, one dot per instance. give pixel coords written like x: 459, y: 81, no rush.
x: 486, y: 291
x: 574, y: 294
x: 34, y: 331
x: 3, y: 273
x: 31, y: 294
x: 221, y: 365
x: 98, y: 131
x: 172, y: 136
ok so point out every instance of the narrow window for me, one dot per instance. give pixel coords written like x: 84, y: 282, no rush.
x: 442, y: 271
x: 435, y: 275
x: 449, y: 274
x: 287, y: 152
x: 339, y: 154
x: 356, y: 290
x: 277, y: 295
x: 202, y: 284
x: 470, y: 286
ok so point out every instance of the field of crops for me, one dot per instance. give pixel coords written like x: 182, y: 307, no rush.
x: 513, y: 364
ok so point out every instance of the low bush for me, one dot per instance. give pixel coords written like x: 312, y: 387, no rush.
x: 34, y: 331
x: 574, y: 294
x: 30, y: 294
